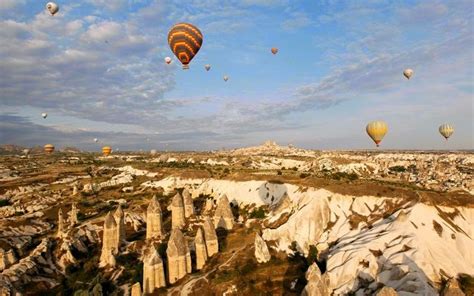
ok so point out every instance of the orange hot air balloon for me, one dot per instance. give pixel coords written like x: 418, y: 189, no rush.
x: 185, y: 40
x: 48, y: 148
x: 106, y: 150
x: 274, y: 50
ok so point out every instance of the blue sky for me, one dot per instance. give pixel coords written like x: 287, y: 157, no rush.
x: 97, y: 69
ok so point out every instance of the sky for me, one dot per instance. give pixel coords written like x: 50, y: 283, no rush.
x: 97, y: 69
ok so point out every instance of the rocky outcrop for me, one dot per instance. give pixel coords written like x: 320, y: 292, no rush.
x: 177, y: 212
x: 318, y: 285
x: 153, y: 273
x: 110, y: 242
x: 7, y: 258
x: 119, y: 216
x: 261, y: 250
x: 452, y: 289
x: 154, y: 227
x: 201, y: 250
x: 207, y: 209
x: 188, y: 203
x: 61, y: 227
x: 73, y: 215
x: 210, y: 237
x: 223, y: 216
x: 179, y: 257
x: 387, y: 291
x: 136, y: 290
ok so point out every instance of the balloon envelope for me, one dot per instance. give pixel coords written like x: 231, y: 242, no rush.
x: 26, y: 151
x: 274, y: 50
x: 106, y: 150
x: 96, y: 140
x: 185, y: 40
x: 446, y: 130
x: 207, y: 67
x: 48, y: 148
x: 152, y: 151
x: 226, y: 78
x: 44, y: 115
x: 168, y: 60
x: 376, y: 131
x: 408, y: 73
x: 52, y: 7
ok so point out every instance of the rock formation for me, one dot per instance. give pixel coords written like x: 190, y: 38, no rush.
x: 110, y: 242
x: 223, y: 216
x: 153, y: 273
x: 387, y: 291
x: 207, y: 207
x: 452, y: 289
x: 154, y: 227
x: 73, y: 215
x: 120, y: 220
x: 188, y: 203
x: 261, y: 250
x: 61, y: 227
x: 210, y: 237
x: 7, y: 258
x: 177, y: 211
x: 201, y: 251
x: 136, y: 289
x: 179, y: 258
x: 75, y: 190
x: 317, y: 285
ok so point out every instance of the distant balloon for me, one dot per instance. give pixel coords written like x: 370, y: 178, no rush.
x: 446, y: 130
x: 408, y: 73
x: 207, y: 67
x: 152, y: 151
x: 226, y: 78
x: 52, y: 7
x: 48, y: 148
x: 168, y: 60
x: 185, y: 40
x: 274, y: 50
x: 377, y: 130
x: 96, y: 140
x: 44, y: 115
x: 26, y: 151
x: 106, y: 150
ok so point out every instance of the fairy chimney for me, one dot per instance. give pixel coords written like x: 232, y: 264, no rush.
x: 223, y: 216
x: 179, y: 258
x: 210, y: 237
x: 201, y: 251
x: 73, y: 215
x: 110, y: 242
x: 61, y: 227
x: 177, y: 211
x: 136, y: 289
x: 154, y: 226
x: 188, y: 203
x: 153, y: 273
x: 120, y: 221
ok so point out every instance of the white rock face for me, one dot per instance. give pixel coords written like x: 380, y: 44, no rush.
x: 261, y: 250
x: 318, y: 285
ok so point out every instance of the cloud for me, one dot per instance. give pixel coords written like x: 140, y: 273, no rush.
x: 297, y: 20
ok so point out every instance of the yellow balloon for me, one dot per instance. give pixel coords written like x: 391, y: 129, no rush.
x: 377, y: 130
x: 48, y: 148
x: 106, y: 150
x: 446, y: 130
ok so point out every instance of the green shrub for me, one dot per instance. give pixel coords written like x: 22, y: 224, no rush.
x: 312, y: 254
x: 397, y: 169
x: 4, y: 202
x: 258, y: 213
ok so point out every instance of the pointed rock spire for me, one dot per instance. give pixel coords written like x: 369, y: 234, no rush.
x: 210, y: 237
x: 73, y: 215
x: 201, y: 250
x: 153, y: 273
x: 61, y: 227
x: 110, y: 242
x: 188, y: 203
x: 261, y: 250
x: 177, y: 211
x: 223, y: 216
x: 119, y: 216
x: 179, y: 257
x: 154, y: 227
x: 136, y: 290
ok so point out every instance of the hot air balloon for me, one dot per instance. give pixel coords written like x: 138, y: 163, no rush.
x: 26, y: 151
x: 185, y: 40
x: 168, y: 60
x: 274, y: 50
x: 106, y: 150
x: 446, y: 130
x: 377, y: 130
x: 52, y: 7
x: 96, y: 140
x: 408, y: 73
x: 48, y: 148
x: 44, y: 115
x: 207, y: 67
x: 153, y: 151
x: 226, y: 78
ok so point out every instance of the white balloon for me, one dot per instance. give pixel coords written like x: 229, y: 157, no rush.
x: 408, y: 73
x: 96, y: 140
x: 168, y: 60
x: 226, y: 78
x: 52, y: 7
x: 207, y: 67
x: 44, y: 115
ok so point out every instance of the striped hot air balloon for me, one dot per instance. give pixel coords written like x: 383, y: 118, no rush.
x: 376, y: 130
x: 446, y: 130
x: 185, y: 40
x: 106, y: 150
x: 48, y: 148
